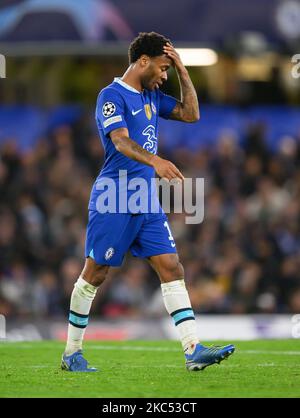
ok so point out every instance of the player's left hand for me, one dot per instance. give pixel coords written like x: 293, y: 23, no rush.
x: 171, y: 52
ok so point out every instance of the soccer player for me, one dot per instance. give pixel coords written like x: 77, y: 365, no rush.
x: 127, y: 115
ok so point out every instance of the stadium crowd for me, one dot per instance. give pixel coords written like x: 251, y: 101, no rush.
x: 243, y: 258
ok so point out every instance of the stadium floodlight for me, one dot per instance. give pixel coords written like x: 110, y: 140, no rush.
x: 197, y: 56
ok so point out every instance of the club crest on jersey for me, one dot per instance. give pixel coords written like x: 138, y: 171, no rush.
x: 109, y: 253
x: 153, y: 108
x: 148, y: 111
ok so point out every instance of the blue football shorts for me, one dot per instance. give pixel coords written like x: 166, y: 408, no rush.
x: 109, y: 236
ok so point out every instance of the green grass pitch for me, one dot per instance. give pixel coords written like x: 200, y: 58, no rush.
x: 141, y: 369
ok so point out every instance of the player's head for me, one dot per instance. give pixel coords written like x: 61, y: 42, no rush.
x: 147, y: 52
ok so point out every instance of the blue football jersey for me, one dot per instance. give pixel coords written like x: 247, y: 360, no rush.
x: 121, y: 106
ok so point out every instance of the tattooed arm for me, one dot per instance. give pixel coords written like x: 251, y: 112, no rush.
x: 187, y: 109
x: 128, y: 147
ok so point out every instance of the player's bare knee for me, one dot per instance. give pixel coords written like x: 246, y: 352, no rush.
x: 98, y: 278
x: 93, y: 273
x: 172, y: 271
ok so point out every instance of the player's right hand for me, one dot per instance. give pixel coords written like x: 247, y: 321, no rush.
x: 165, y: 169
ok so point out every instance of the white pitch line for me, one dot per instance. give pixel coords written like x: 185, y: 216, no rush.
x: 107, y: 347
x: 281, y: 353
x: 38, y: 367
x: 163, y: 349
x: 169, y: 366
x: 133, y: 348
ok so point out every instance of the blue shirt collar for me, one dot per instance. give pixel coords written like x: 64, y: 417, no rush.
x: 125, y: 85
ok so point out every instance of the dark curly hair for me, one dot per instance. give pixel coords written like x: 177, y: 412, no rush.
x: 149, y: 43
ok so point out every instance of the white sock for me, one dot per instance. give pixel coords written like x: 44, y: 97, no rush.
x: 178, y: 305
x: 81, y: 301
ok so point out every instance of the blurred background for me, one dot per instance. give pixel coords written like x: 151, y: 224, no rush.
x: 242, y: 264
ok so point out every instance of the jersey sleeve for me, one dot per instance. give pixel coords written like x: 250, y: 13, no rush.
x: 166, y: 105
x: 110, y: 111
